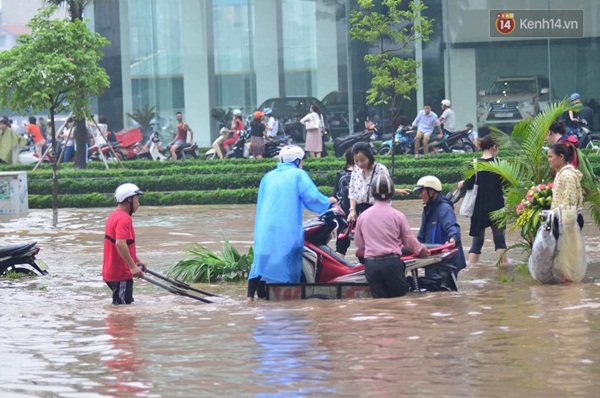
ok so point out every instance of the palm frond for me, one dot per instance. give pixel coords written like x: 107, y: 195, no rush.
x: 592, y: 200
x: 207, y: 266
x: 524, y: 246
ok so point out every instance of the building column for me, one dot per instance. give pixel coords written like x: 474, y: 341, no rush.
x: 462, y: 87
x: 267, y: 45
x: 327, y: 60
x: 196, y: 70
x: 126, y: 90
x: 106, y: 20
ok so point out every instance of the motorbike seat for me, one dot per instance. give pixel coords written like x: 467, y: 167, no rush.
x: 16, y: 250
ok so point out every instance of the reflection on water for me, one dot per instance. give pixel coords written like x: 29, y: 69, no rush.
x: 62, y: 338
x: 122, y: 358
x: 289, y: 354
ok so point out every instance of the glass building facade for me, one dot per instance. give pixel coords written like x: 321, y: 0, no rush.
x: 198, y: 55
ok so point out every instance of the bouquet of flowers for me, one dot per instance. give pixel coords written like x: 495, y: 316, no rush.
x: 538, y: 198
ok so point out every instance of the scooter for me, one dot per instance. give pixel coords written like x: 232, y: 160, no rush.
x: 241, y: 148
x: 21, y: 259
x: 588, y: 140
x: 321, y: 264
x: 459, y: 142
x: 152, y: 153
x: 342, y: 144
x: 217, y: 150
x: 404, y: 142
x: 129, y: 152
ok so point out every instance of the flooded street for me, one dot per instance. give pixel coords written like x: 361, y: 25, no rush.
x: 502, y: 334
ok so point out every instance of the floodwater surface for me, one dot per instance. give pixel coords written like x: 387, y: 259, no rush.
x: 501, y: 335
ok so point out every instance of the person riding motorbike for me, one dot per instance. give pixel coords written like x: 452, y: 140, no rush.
x: 439, y: 225
x: 237, y: 128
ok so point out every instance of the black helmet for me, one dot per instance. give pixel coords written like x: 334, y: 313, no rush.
x: 382, y: 187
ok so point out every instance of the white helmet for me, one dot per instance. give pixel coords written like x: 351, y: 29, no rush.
x: 290, y: 153
x: 428, y: 182
x: 125, y: 191
x: 446, y: 102
x: 237, y: 112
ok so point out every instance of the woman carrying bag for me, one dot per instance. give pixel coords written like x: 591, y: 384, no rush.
x: 315, y: 126
x: 490, y: 197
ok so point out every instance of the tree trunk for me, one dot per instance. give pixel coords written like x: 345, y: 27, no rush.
x: 55, y: 157
x: 81, y: 144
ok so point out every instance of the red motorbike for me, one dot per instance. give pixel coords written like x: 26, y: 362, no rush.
x: 321, y: 264
x: 128, y: 152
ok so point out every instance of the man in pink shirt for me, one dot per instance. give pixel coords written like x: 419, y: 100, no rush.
x: 381, y: 232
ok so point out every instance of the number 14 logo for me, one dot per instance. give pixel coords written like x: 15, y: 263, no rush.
x: 505, y: 22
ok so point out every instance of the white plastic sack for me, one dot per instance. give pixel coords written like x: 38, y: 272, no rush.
x: 27, y: 158
x: 541, y: 261
x: 571, y: 261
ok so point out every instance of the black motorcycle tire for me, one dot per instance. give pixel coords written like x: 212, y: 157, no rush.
x: 593, y: 142
x: 468, y: 147
x: 384, y: 150
x: 210, y: 156
x: 144, y: 156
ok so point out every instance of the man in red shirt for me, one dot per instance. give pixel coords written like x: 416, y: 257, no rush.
x: 120, y: 262
x: 381, y: 233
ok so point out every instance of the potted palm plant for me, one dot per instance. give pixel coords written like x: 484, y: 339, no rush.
x: 144, y: 117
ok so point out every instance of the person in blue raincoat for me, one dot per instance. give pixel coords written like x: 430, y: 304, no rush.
x: 439, y: 225
x: 278, y: 235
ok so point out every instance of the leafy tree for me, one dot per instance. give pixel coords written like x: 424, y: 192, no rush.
x: 54, y: 68
x: 391, y: 30
x: 75, y: 9
x: 528, y: 166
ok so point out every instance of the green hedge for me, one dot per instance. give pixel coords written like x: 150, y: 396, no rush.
x: 219, y: 196
x: 205, y: 182
x: 217, y: 181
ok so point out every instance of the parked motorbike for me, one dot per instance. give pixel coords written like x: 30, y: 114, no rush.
x: 21, y: 259
x: 128, y: 152
x: 241, y: 148
x: 94, y: 153
x: 152, y: 153
x: 459, y: 142
x: 321, y: 264
x: 404, y: 142
x: 587, y: 139
x: 341, y: 144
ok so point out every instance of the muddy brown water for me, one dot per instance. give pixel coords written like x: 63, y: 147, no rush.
x: 502, y: 334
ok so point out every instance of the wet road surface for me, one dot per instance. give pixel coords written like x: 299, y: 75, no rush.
x: 502, y: 334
